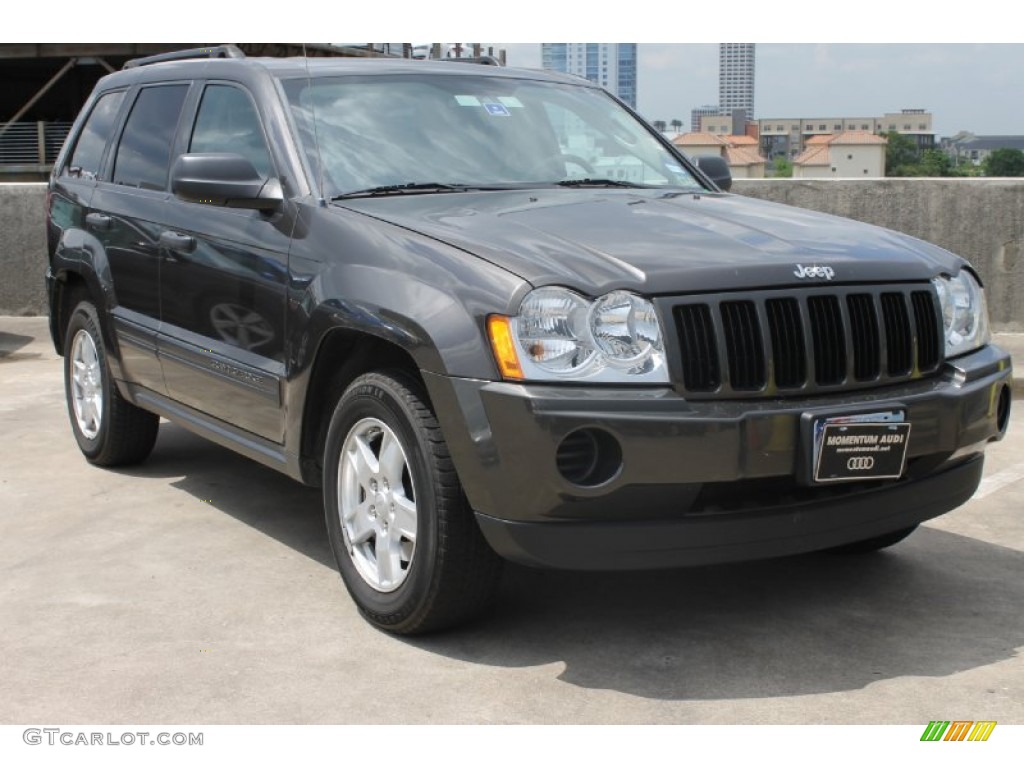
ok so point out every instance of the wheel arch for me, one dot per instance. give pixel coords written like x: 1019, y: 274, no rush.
x: 342, y: 356
x: 70, y: 287
x: 81, y: 271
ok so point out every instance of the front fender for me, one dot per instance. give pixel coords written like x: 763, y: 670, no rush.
x: 438, y: 331
x: 354, y: 272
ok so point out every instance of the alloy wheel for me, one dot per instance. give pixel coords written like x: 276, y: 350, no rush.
x: 377, y: 505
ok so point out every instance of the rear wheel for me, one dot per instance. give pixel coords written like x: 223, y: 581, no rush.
x: 109, y: 430
x: 407, y: 545
x: 876, y: 543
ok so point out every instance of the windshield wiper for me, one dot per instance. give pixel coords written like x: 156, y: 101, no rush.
x: 403, y: 189
x: 600, y: 183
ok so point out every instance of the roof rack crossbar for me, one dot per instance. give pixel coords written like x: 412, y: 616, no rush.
x: 489, y: 60
x: 214, y: 52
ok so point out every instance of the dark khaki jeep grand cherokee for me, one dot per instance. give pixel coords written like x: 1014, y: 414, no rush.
x: 495, y: 315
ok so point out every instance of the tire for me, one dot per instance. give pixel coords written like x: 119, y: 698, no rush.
x: 875, y: 544
x: 388, y: 478
x: 109, y: 430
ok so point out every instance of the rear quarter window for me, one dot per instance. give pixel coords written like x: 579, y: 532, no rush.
x: 88, y: 152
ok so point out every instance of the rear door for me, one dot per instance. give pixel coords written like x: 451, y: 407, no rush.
x: 223, y: 278
x: 127, y: 209
x: 74, y: 182
x: 71, y: 223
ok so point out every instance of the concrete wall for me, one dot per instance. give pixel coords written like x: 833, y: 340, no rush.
x: 22, y: 249
x: 981, y: 219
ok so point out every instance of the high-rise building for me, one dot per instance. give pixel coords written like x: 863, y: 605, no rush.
x: 610, y: 65
x: 736, y: 78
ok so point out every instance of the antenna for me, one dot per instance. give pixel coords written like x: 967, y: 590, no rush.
x: 316, y: 135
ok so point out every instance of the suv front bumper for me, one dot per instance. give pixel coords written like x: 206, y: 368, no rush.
x: 703, y: 482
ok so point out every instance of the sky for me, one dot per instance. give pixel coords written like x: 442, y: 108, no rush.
x: 826, y: 60
x: 970, y: 87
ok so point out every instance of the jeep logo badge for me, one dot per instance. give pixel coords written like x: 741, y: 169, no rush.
x: 802, y: 272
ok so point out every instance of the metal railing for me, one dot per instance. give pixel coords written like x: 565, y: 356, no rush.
x: 31, y: 147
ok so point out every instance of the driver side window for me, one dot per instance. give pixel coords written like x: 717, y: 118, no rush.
x: 228, y: 122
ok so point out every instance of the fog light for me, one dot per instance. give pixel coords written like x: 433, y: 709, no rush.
x: 589, y: 457
x: 1003, y: 410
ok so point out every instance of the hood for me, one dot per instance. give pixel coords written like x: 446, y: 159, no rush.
x: 659, y: 243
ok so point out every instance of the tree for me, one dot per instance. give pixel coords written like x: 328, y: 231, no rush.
x: 783, y: 168
x: 677, y: 125
x: 1004, y: 162
x: 900, y: 152
x: 967, y: 169
x: 934, y: 162
x: 659, y: 126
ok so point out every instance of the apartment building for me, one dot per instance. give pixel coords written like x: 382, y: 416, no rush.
x: 788, y: 137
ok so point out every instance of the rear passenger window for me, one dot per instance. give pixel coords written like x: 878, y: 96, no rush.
x: 227, y: 122
x: 144, y: 154
x: 85, y: 160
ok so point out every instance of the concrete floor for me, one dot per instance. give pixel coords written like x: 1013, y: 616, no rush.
x: 199, y: 588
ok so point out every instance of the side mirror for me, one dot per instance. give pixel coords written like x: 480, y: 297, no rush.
x: 716, y: 169
x: 224, y: 179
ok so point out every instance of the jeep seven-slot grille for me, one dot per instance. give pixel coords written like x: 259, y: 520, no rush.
x: 824, y: 339
x: 745, y: 352
x: 867, y: 361
x: 829, y: 341
x: 700, y: 357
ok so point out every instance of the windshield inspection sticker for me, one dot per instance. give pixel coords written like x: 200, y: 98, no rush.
x: 497, y: 110
x: 468, y: 101
x: 511, y: 102
x: 673, y: 167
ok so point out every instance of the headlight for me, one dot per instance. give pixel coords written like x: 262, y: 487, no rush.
x: 551, y: 331
x: 559, y: 335
x: 625, y: 330
x: 964, y: 313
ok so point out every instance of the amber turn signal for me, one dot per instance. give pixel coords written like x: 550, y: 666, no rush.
x: 504, y: 347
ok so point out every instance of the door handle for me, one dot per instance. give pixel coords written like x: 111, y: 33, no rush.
x: 176, y: 242
x: 98, y: 221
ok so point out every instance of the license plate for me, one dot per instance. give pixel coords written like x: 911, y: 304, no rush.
x: 871, y: 446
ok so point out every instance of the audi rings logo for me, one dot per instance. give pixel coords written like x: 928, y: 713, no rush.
x: 862, y: 463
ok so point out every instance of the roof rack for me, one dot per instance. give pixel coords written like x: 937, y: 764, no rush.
x: 488, y: 60
x: 214, y: 52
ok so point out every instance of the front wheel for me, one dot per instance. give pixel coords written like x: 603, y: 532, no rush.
x: 407, y: 545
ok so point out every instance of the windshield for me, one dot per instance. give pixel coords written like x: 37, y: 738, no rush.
x: 433, y: 133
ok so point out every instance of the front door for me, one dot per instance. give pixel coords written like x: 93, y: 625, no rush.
x: 223, y: 276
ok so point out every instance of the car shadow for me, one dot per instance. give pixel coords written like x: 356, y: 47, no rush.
x: 935, y: 605
x: 255, y: 495
x: 10, y: 343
